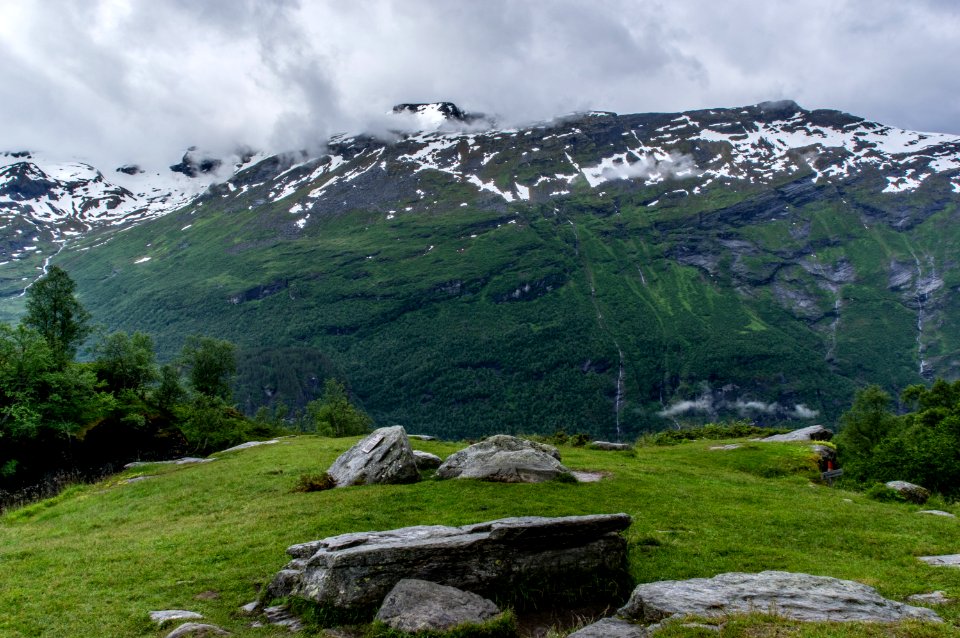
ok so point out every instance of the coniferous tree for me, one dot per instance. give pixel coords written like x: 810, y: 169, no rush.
x: 53, y: 310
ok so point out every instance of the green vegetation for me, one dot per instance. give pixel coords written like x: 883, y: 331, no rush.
x: 921, y: 446
x: 96, y: 559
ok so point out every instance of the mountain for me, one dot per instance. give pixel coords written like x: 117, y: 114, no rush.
x: 601, y: 272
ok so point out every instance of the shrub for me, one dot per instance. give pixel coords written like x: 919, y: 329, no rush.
x: 741, y: 429
x: 884, y: 494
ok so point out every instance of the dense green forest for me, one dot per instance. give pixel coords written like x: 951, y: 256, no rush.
x: 58, y: 414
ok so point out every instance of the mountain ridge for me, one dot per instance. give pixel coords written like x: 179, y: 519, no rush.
x: 759, y: 261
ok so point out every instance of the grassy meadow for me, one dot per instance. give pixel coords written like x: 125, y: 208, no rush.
x: 96, y: 559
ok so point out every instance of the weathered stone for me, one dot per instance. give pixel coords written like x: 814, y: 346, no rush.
x: 493, y: 559
x: 280, y: 616
x: 795, y: 596
x: 504, y: 459
x: 417, y: 605
x: 164, y: 616
x: 937, y: 513
x: 426, y: 461
x: 250, y: 444
x: 933, y: 598
x: 731, y: 446
x: 611, y: 628
x: 588, y: 477
x: 812, y: 433
x: 947, y: 560
x: 385, y: 456
x: 911, y: 492
x: 607, y: 446
x: 197, y: 630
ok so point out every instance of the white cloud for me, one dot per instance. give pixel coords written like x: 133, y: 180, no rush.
x: 123, y: 80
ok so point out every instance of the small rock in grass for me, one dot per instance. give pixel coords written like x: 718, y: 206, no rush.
x: 207, y: 595
x: 250, y: 444
x: 587, y: 477
x: 422, y: 437
x: 197, y: 630
x: 607, y: 446
x: 937, y: 513
x: 164, y: 616
x: 933, y: 598
x: 280, y: 616
x: 732, y: 446
x: 946, y: 560
x: 611, y: 628
x: 250, y: 608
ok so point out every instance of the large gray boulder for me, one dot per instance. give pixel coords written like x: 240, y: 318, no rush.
x: 354, y: 572
x: 909, y: 491
x: 505, y: 459
x: 385, y: 456
x: 812, y: 433
x: 795, y: 596
x: 417, y: 605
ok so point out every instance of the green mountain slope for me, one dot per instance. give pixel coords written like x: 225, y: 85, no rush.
x: 562, y: 276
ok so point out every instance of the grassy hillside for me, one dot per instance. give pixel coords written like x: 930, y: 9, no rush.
x: 96, y: 559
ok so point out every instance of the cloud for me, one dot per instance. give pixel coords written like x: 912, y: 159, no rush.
x: 675, y: 165
x: 702, y: 404
x: 124, y: 81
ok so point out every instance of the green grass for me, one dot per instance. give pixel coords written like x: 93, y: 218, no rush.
x: 96, y: 559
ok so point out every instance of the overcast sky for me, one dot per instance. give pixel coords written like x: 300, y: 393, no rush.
x: 122, y: 81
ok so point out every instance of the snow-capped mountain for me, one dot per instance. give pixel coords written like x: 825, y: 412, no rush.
x: 758, y: 261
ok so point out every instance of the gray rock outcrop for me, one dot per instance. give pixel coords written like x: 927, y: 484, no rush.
x: 385, y: 456
x: 812, y: 433
x: 417, y: 605
x: 795, y: 596
x: 354, y: 572
x: 426, y: 461
x: 505, y: 459
x: 611, y: 628
x: 911, y: 492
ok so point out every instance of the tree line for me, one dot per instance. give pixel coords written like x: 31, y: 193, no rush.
x: 58, y: 413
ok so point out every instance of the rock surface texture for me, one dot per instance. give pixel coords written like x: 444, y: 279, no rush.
x: 164, y: 616
x: 795, y: 596
x: 385, y: 456
x: 911, y: 492
x: 947, y: 560
x: 354, y: 572
x: 812, y: 433
x: 197, y: 630
x: 426, y: 461
x: 505, y: 459
x: 611, y: 628
x: 417, y: 605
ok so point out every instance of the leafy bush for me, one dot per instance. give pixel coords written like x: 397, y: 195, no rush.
x: 884, y: 494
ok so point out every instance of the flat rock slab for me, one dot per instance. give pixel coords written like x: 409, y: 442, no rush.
x: 812, y: 433
x: 611, y: 628
x: 795, y: 596
x: 417, y: 605
x: 504, y: 459
x: 383, y: 457
x: 164, y: 616
x: 947, y: 560
x: 354, y: 572
x: 933, y: 598
x: 937, y: 513
x: 731, y: 446
x: 197, y: 630
x: 588, y: 477
x: 422, y: 437
x: 250, y: 444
